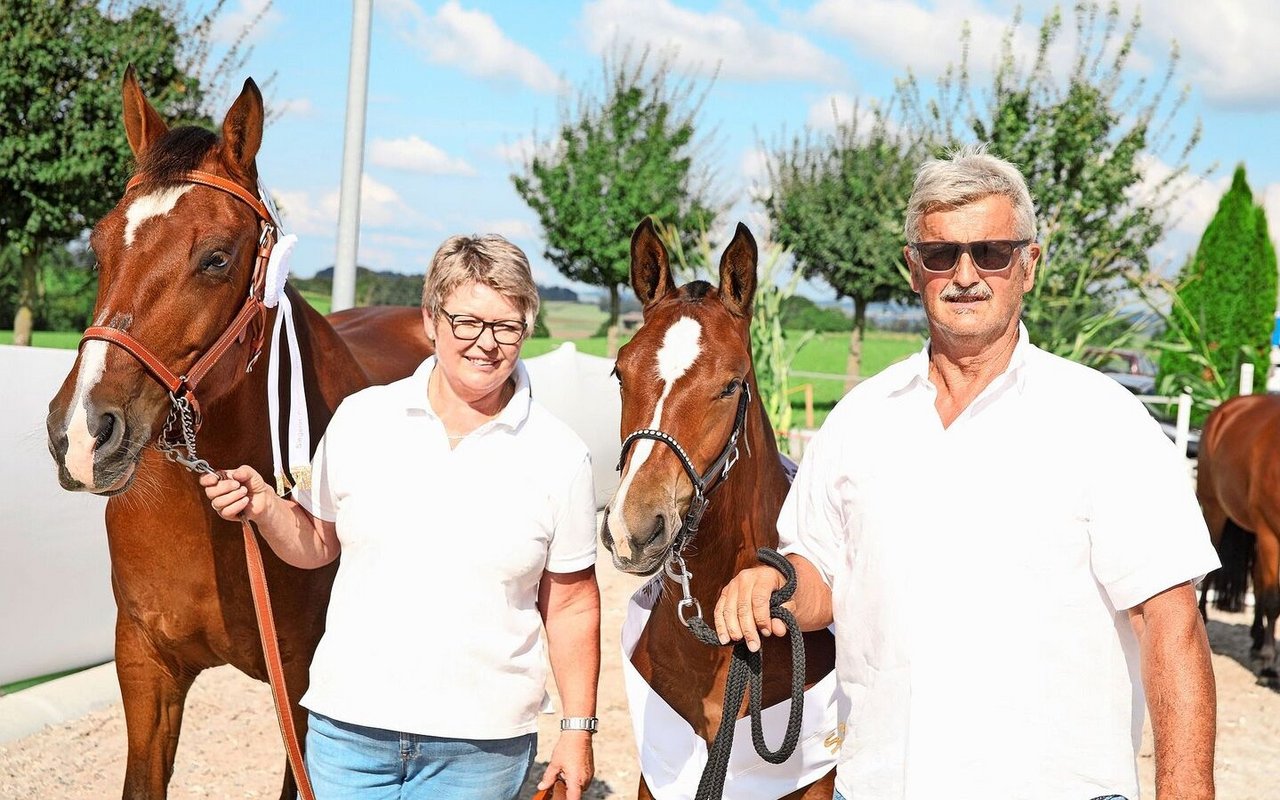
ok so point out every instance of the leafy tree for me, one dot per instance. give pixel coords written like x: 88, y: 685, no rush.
x: 1083, y: 144
x: 800, y: 313
x: 63, y: 155
x: 1226, y: 301
x: 621, y: 156
x: 837, y: 202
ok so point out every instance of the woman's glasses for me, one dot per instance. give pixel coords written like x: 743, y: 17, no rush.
x: 468, y: 329
x: 991, y: 255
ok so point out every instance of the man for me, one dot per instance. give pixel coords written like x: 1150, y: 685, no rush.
x: 1005, y: 540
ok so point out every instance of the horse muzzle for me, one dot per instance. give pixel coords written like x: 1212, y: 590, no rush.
x: 96, y: 451
x: 639, y: 549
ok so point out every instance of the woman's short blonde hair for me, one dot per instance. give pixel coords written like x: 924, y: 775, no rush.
x: 490, y: 260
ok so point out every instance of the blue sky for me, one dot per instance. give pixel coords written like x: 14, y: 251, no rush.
x: 458, y: 88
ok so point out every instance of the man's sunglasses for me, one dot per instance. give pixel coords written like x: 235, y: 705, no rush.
x: 991, y: 255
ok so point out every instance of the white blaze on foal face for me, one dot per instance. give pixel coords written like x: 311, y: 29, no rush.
x: 156, y: 204
x: 681, y: 346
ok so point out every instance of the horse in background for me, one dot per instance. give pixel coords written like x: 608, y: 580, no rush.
x: 685, y: 373
x: 1238, y: 485
x: 177, y: 261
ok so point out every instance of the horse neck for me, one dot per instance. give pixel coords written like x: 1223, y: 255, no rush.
x: 742, y: 514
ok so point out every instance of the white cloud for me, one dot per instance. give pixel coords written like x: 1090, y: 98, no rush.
x: 754, y: 166
x: 1270, y: 198
x: 731, y: 39
x: 510, y: 228
x: 231, y: 23
x: 1194, y: 198
x: 307, y: 213
x: 518, y: 152
x: 470, y: 41
x: 413, y: 154
x: 295, y: 107
x: 1228, y: 47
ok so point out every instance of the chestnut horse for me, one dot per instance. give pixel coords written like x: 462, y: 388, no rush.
x: 687, y: 374
x: 177, y: 261
x: 1238, y: 485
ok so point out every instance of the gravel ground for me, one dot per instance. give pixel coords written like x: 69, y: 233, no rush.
x: 230, y: 746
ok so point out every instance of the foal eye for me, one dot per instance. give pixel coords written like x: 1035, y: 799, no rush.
x: 731, y: 388
x: 616, y: 376
x: 217, y: 261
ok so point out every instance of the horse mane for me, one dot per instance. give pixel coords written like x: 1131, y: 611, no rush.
x: 176, y: 153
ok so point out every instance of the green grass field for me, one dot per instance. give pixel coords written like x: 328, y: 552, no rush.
x: 66, y: 340
x: 568, y: 320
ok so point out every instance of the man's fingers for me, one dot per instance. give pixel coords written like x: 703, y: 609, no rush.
x: 760, y: 610
x: 548, y: 776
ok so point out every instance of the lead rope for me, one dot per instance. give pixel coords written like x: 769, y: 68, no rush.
x: 744, y: 669
x: 181, y: 415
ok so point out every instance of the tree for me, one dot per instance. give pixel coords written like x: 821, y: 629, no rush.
x: 837, y: 202
x: 1226, y: 301
x: 1085, y: 145
x: 622, y: 156
x: 63, y: 154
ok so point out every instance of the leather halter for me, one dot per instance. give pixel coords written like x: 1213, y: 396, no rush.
x: 182, y: 387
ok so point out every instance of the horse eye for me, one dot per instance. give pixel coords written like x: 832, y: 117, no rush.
x: 616, y: 375
x: 731, y: 388
x: 217, y: 261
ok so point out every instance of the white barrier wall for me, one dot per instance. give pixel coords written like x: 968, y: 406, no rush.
x: 56, y: 607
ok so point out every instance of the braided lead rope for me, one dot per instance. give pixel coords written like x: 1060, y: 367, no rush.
x: 744, y: 669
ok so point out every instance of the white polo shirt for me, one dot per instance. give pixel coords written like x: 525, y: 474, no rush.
x: 433, y: 625
x: 980, y: 573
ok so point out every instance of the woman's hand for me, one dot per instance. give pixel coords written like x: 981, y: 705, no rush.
x: 573, y: 762
x: 240, y: 494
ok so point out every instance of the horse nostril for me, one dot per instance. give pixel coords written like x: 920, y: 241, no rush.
x: 659, y: 524
x: 107, y: 425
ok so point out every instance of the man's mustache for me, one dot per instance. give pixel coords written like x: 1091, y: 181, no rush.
x: 977, y: 292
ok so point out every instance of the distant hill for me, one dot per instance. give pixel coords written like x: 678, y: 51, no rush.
x: 386, y: 288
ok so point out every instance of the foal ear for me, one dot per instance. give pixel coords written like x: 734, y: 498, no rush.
x: 242, y: 130
x: 142, y: 125
x: 738, y: 272
x: 650, y: 270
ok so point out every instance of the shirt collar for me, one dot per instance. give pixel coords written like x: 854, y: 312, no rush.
x: 916, y: 371
x: 512, y: 415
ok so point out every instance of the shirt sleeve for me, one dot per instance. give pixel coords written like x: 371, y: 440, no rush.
x: 321, y: 500
x: 1146, y: 532
x: 811, y: 522
x: 573, y: 542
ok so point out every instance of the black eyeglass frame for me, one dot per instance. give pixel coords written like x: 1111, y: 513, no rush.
x: 966, y: 247
x: 492, y: 325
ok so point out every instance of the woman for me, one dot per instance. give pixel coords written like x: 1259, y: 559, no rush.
x: 465, y: 516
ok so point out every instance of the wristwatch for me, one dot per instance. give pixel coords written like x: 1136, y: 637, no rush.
x: 588, y: 724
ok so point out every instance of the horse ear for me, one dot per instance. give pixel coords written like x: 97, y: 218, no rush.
x: 738, y: 272
x: 650, y: 270
x: 142, y: 125
x: 242, y: 129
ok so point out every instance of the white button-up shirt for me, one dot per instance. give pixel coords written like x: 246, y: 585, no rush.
x: 433, y: 625
x: 980, y: 574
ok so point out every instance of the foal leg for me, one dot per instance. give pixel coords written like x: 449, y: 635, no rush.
x: 153, y: 689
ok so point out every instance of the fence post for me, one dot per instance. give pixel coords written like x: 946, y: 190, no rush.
x: 808, y: 405
x: 1246, y: 378
x: 1184, y: 424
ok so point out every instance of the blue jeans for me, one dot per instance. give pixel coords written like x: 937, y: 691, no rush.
x: 355, y: 762
x: 839, y: 796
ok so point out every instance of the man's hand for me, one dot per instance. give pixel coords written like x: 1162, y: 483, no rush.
x: 240, y: 494
x: 742, y: 612
x: 572, y: 762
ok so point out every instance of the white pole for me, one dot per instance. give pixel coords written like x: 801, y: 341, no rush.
x: 344, y: 266
x: 1246, y: 378
x: 1184, y: 424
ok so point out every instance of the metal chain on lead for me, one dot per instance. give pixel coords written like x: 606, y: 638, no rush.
x: 182, y: 416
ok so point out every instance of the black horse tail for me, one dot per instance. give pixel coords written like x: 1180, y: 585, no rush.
x: 1231, y: 580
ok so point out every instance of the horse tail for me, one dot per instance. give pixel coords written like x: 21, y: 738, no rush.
x: 1231, y: 580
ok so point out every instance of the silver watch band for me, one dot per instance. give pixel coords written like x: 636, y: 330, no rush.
x: 588, y: 724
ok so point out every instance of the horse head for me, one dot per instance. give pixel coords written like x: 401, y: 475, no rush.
x: 685, y: 378
x: 179, y: 261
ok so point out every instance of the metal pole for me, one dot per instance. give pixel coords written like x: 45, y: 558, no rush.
x: 344, y: 266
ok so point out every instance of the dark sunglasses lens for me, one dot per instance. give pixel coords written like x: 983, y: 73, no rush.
x: 992, y: 256
x: 939, y: 257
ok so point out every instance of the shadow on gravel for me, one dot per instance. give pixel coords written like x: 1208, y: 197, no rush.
x: 1229, y: 636
x: 598, y: 790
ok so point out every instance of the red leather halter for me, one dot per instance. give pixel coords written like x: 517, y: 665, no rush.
x: 182, y: 387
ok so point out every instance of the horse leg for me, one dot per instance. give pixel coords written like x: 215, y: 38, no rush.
x: 642, y: 791
x: 296, y: 678
x: 1215, y: 519
x: 153, y: 690
x: 822, y: 789
x: 1266, y: 599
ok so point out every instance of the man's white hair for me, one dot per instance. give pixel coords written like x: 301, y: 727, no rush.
x: 962, y: 176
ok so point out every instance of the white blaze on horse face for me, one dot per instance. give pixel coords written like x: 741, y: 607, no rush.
x: 681, y: 346
x: 156, y: 204
x: 80, y: 442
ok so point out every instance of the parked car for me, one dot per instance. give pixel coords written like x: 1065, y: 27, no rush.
x: 1135, y: 371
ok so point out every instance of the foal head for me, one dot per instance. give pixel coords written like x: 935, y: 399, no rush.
x: 175, y: 262
x: 684, y: 373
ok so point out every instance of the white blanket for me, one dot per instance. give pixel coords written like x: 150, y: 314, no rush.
x: 672, y: 755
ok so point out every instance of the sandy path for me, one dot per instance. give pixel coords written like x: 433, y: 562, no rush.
x: 230, y: 748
